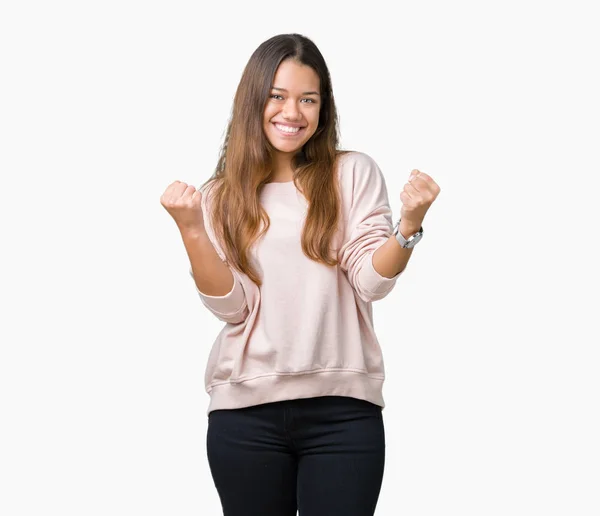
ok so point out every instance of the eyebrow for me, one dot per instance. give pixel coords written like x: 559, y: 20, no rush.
x: 305, y: 93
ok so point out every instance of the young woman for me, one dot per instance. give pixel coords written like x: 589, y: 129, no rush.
x: 290, y: 241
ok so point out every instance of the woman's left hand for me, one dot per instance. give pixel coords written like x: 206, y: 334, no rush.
x: 418, y: 195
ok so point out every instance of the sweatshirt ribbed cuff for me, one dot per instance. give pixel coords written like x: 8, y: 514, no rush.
x: 374, y: 282
x: 227, y: 304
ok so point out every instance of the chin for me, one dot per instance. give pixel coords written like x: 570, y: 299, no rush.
x: 287, y: 149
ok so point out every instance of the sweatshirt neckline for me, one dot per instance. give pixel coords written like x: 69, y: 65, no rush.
x: 279, y: 185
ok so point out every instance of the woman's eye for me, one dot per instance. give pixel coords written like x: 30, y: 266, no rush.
x: 275, y: 96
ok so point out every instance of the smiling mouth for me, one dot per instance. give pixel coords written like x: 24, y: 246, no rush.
x: 286, y: 130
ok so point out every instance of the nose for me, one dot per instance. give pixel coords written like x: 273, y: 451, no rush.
x: 291, y: 112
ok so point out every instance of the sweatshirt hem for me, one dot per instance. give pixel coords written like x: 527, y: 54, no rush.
x: 281, y: 387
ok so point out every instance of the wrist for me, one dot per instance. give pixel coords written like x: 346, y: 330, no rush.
x: 193, y: 233
x: 408, y: 229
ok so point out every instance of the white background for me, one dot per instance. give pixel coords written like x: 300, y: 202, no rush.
x: 490, y: 339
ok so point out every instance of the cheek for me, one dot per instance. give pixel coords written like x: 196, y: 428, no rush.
x: 314, y: 120
x: 315, y: 116
x: 268, y: 113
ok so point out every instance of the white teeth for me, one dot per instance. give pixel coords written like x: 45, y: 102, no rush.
x: 287, y: 129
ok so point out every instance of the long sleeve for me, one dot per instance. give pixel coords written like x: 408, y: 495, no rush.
x: 368, y: 226
x: 233, y: 306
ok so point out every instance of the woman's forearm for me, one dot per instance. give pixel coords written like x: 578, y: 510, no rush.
x: 212, y: 276
x: 391, y: 258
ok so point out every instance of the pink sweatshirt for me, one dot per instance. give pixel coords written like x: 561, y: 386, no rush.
x: 308, y: 331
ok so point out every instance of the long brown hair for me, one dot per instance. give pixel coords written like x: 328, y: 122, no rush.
x: 244, y: 164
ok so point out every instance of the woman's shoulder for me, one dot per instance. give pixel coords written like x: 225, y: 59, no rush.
x: 208, y: 185
x: 208, y: 190
x: 353, y: 165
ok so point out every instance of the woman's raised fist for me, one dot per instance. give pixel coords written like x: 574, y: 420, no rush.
x: 183, y: 202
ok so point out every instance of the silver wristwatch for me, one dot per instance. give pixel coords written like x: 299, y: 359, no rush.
x: 411, y: 241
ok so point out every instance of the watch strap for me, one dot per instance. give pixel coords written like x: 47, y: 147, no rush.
x: 406, y: 242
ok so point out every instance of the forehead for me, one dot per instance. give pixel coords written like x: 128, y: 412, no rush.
x: 296, y: 77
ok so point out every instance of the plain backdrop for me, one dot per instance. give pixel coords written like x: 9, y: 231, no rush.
x: 490, y: 339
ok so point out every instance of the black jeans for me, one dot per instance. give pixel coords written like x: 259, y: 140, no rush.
x: 321, y: 456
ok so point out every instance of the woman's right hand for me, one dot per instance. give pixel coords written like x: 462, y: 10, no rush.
x: 183, y: 202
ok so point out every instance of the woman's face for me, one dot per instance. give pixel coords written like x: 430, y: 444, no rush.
x: 291, y: 114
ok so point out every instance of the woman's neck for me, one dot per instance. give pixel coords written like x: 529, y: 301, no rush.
x: 282, y: 167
